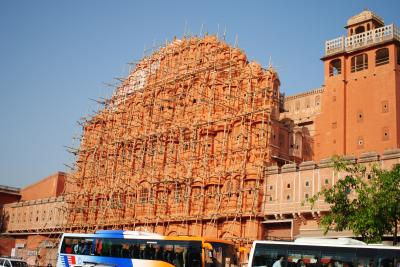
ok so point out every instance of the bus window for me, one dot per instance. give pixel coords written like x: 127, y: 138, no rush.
x: 365, y: 261
x: 86, y: 246
x: 267, y: 255
x: 337, y: 259
x: 387, y: 259
x: 66, y: 246
x: 366, y: 257
x: 125, y: 250
x: 79, y: 246
x: 209, y: 259
x: 179, y: 256
x: 300, y: 258
x: 385, y: 262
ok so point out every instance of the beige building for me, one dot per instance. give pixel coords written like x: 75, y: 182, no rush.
x: 35, y: 223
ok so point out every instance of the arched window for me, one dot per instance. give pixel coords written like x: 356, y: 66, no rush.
x: 360, y: 29
x: 196, y: 193
x: 178, y: 193
x: 317, y: 100
x: 381, y: 56
x: 228, y: 188
x: 307, y: 102
x: 143, y: 195
x: 212, y: 191
x: 335, y: 67
x: 162, y: 196
x: 359, y: 62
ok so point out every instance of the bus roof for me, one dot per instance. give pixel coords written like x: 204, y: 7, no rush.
x: 328, y: 242
x: 143, y: 235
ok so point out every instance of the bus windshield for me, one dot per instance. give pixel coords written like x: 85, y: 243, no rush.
x: 175, y: 252
x: 224, y: 255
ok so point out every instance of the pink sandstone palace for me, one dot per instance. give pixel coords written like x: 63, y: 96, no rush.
x: 197, y: 140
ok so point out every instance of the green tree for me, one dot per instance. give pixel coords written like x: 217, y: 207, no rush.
x: 366, y: 201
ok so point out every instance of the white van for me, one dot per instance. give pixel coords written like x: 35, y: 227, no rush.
x: 10, y: 262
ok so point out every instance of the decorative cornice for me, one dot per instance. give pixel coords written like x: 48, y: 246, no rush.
x: 364, y: 16
x: 307, y: 93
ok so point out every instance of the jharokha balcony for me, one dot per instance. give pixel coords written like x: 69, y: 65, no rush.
x: 364, y: 39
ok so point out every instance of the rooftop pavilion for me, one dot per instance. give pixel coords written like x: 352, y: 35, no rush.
x: 364, y: 29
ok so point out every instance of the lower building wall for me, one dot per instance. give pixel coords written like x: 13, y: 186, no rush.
x: 278, y: 231
x: 37, y: 250
x: 6, y: 245
x: 281, y: 212
x: 40, y: 250
x: 240, y: 230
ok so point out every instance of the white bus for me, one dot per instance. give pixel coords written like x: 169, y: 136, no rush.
x: 319, y: 252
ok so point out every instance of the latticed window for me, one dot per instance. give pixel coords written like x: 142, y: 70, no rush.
x: 307, y: 102
x: 207, y: 147
x: 160, y: 148
x: 131, y: 199
x: 317, y: 100
x: 381, y: 56
x: 228, y: 188
x: 143, y: 195
x: 162, y: 197
x: 186, y: 146
x: 212, y: 191
x: 152, y: 149
x: 178, y: 193
x: 196, y: 193
x: 359, y: 62
x: 238, y: 139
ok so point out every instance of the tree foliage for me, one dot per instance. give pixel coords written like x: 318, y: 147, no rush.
x: 366, y: 201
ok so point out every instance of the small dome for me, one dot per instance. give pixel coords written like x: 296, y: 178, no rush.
x: 364, y: 16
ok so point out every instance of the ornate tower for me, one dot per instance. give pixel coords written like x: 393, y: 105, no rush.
x: 360, y: 110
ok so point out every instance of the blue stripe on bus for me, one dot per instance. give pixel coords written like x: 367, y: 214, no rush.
x: 116, y: 232
x: 64, y: 261
x: 80, y: 259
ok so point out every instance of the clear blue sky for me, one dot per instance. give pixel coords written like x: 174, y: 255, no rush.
x: 56, y: 55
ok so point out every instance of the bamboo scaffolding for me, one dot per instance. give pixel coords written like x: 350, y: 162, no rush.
x: 182, y: 143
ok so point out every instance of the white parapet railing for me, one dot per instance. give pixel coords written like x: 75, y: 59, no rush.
x: 363, y: 39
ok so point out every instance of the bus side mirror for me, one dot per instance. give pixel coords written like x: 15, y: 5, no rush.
x: 207, y: 246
